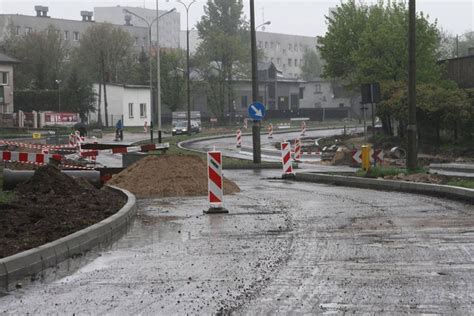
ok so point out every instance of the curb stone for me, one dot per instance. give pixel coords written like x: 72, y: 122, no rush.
x: 34, y: 261
x: 452, y: 192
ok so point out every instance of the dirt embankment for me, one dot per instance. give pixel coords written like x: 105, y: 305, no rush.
x: 168, y: 176
x: 49, y: 206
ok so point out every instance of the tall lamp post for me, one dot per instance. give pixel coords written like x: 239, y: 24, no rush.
x: 412, y: 156
x: 257, y: 153
x: 263, y: 25
x: 59, y: 94
x: 149, y: 25
x: 188, y: 85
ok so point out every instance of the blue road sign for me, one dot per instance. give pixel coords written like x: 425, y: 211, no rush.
x: 256, y: 111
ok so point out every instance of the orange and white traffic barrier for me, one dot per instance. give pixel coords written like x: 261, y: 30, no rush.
x: 270, y: 130
x: 239, y: 138
x: 286, y: 159
x: 303, y: 128
x: 145, y: 127
x: 36, y: 146
x: 215, y: 182
x: 297, y: 150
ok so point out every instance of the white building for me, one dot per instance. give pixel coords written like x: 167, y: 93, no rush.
x: 6, y: 83
x: 128, y: 102
x: 169, y: 24
x: 284, y: 50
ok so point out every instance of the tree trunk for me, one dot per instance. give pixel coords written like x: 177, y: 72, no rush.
x: 99, y: 112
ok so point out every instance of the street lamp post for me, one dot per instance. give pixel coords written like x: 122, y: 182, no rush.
x: 257, y: 153
x: 188, y: 86
x: 59, y: 94
x: 149, y: 25
x: 263, y: 25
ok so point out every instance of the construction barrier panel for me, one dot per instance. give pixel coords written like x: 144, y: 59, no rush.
x: 270, y: 130
x: 286, y: 159
x: 303, y: 128
x: 239, y: 138
x: 215, y: 182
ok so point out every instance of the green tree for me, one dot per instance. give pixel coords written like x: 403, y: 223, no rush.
x: 106, y: 52
x: 173, y: 83
x: 365, y: 44
x: 224, y: 53
x: 78, y: 95
x: 312, y: 67
x: 42, y: 57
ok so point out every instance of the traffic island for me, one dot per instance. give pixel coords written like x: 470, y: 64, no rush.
x: 447, y: 191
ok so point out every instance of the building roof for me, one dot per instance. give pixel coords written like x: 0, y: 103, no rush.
x: 4, y: 59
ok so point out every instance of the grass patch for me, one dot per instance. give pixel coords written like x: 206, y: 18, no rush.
x: 469, y: 184
x: 380, y: 172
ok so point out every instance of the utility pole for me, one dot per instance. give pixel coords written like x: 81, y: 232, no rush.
x: 257, y: 155
x: 411, y: 163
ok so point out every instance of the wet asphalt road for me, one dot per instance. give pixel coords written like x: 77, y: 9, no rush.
x: 285, y: 248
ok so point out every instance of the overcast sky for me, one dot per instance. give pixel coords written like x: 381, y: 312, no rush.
x: 300, y: 17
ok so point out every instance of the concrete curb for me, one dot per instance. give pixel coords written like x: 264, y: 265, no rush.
x: 33, y: 261
x: 456, y: 193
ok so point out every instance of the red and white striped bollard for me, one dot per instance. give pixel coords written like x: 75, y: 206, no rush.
x: 297, y: 150
x: 286, y: 159
x: 303, y: 128
x: 270, y: 130
x: 239, y: 138
x: 245, y: 123
x: 215, y: 183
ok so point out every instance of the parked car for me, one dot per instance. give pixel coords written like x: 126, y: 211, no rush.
x: 182, y: 128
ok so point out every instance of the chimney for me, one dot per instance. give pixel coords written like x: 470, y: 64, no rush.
x: 41, y: 11
x: 86, y: 16
x: 470, y: 51
x: 128, y: 18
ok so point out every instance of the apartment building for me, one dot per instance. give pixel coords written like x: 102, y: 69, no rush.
x: 285, y: 51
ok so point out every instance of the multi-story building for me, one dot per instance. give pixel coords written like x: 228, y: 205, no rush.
x: 169, y: 24
x: 285, y: 51
x: 6, y: 83
x: 72, y: 30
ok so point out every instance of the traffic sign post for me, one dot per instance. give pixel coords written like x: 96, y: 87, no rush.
x: 256, y: 112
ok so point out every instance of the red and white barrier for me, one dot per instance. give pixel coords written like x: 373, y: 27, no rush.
x: 270, y: 130
x: 36, y: 146
x: 286, y: 159
x: 303, y: 128
x: 215, y: 182
x: 124, y: 150
x: 239, y: 138
x: 245, y: 123
x: 297, y: 150
x: 14, y: 156
x: 145, y: 127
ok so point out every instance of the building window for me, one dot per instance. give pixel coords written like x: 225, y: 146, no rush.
x: 317, y: 88
x: 66, y: 35
x: 278, y: 46
x: 301, y: 92
x: 272, y: 45
x: 142, y: 109
x: 75, y: 36
x: 259, y: 44
x: 296, y: 62
x: 136, y: 41
x: 17, y: 30
x: 296, y: 48
x: 28, y: 30
x: 243, y: 101
x: 4, y: 78
x: 289, y: 62
x: 278, y: 61
x: 130, y: 110
x: 290, y: 47
x: 266, y: 44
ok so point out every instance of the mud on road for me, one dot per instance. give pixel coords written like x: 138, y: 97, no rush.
x: 286, y: 248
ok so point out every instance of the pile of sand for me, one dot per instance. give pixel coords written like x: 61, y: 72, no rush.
x: 168, y: 176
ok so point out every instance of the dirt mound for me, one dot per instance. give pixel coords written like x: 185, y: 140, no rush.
x: 168, y: 176
x: 51, y: 205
